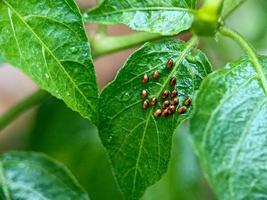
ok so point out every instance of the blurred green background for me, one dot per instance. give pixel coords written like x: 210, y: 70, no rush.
x: 59, y: 132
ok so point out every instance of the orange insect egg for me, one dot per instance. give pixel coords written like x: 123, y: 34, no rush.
x: 154, y: 101
x: 165, y: 94
x: 156, y: 75
x: 175, y: 102
x: 145, y: 79
x: 144, y: 94
x: 157, y: 113
x: 169, y: 64
x: 145, y: 104
x: 182, y: 110
x: 173, y: 81
x: 165, y: 113
x: 171, y: 110
x: 188, y: 102
x: 174, y: 93
x: 165, y: 104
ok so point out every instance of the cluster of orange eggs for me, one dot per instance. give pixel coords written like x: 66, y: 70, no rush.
x: 170, y: 100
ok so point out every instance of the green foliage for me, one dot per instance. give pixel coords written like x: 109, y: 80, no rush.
x: 229, y: 6
x: 137, y: 142
x: 1, y: 59
x: 229, y: 130
x: 183, y: 179
x: 81, y: 150
x: 25, y: 175
x: 166, y: 17
x: 47, y: 41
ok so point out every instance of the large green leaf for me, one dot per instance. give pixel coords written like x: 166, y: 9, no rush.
x: 138, y: 143
x: 229, y: 6
x: 47, y: 41
x: 229, y: 129
x: 25, y: 176
x: 166, y: 17
x: 67, y: 137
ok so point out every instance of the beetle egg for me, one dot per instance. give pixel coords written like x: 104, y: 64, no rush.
x: 145, y: 104
x: 145, y: 79
x: 156, y: 75
x: 144, y: 94
x: 182, y: 110
x: 187, y: 102
x: 169, y: 64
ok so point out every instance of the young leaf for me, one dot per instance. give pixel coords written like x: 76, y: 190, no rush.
x: 165, y: 17
x: 137, y: 142
x: 229, y: 6
x: 35, y: 176
x: 229, y: 130
x: 47, y: 41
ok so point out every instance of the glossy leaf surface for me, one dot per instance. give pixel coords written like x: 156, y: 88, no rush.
x: 229, y: 129
x: 47, y: 41
x: 25, y: 176
x: 137, y: 142
x: 166, y: 17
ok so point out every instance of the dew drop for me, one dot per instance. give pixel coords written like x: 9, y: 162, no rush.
x: 109, y: 139
x: 73, y: 49
x: 126, y: 97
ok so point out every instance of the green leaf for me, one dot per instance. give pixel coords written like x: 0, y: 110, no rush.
x: 229, y: 130
x: 184, y: 179
x: 138, y: 143
x: 229, y: 6
x: 47, y: 41
x: 25, y: 176
x: 1, y: 59
x: 69, y: 138
x: 166, y: 17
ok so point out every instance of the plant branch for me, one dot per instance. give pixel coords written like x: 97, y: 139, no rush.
x: 102, y: 44
x: 22, y: 106
x: 249, y: 50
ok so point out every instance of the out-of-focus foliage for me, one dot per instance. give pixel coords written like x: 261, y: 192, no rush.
x: 72, y: 140
x: 223, y: 50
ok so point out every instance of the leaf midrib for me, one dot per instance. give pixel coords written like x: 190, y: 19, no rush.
x: 51, y: 53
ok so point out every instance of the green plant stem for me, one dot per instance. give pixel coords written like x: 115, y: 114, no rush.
x: 102, y: 44
x: 249, y: 50
x: 22, y: 106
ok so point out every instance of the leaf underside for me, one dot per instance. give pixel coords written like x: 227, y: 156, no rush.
x: 47, y: 41
x: 137, y: 142
x: 229, y: 128
x: 25, y: 176
x: 166, y: 17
